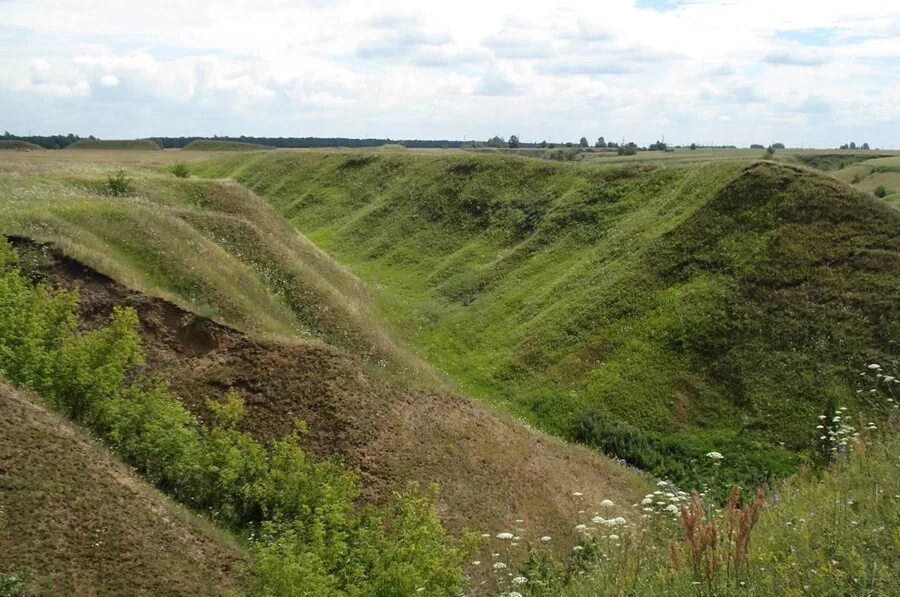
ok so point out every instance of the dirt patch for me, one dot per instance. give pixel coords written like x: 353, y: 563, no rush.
x: 491, y: 470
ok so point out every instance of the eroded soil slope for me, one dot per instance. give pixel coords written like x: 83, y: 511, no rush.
x: 491, y: 470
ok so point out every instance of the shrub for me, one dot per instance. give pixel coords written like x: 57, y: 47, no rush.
x: 881, y: 192
x: 180, y: 170
x: 118, y: 184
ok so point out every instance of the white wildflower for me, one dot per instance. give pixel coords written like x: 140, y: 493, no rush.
x: 545, y: 538
x: 577, y: 494
x: 519, y: 580
x: 606, y: 504
x: 504, y: 535
x: 671, y: 508
x: 613, y: 537
x: 499, y: 566
x: 714, y: 455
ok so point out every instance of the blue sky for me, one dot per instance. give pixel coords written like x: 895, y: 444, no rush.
x: 726, y: 72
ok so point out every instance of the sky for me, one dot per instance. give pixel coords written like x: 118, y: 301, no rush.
x: 725, y: 72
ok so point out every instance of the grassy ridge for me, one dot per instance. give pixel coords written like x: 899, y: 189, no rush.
x: 682, y: 301
x: 211, y: 247
x: 215, y: 145
x: 144, y: 144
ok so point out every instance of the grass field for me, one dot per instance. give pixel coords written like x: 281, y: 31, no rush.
x: 680, y: 300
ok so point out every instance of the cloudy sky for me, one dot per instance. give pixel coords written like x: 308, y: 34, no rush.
x: 712, y: 71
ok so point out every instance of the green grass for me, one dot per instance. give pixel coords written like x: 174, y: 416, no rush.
x: 215, y: 145
x: 212, y: 247
x: 829, y: 534
x: 715, y: 306
x: 117, y: 144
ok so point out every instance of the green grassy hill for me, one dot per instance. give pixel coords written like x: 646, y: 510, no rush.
x: 215, y: 145
x: 717, y: 306
x: 302, y: 340
x: 20, y: 145
x: 75, y: 521
x: 144, y: 144
x: 212, y: 247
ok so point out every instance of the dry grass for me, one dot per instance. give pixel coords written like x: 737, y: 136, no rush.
x: 77, y: 522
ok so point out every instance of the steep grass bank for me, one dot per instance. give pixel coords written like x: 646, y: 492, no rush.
x: 711, y: 307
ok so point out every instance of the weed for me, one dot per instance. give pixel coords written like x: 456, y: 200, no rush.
x: 119, y: 184
x: 180, y: 170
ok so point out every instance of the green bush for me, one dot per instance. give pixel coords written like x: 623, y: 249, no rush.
x: 118, y: 184
x: 881, y: 192
x: 180, y: 170
x: 306, y: 528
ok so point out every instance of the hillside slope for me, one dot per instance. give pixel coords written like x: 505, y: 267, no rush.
x: 77, y: 522
x: 716, y: 307
x: 490, y: 469
x: 211, y: 247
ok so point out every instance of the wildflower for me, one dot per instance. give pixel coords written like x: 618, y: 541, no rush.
x: 671, y: 508
x: 874, y: 366
x: 662, y: 483
x: 476, y: 563
x: 598, y: 520
x: 499, y: 566
x: 504, y: 535
x: 577, y: 548
x: 519, y: 580
x: 485, y: 535
x: 581, y: 528
x: 646, y: 501
x: 823, y: 417
x: 613, y: 537
x: 714, y: 455
x: 545, y: 538
x: 515, y: 594
x: 606, y: 504
x: 577, y: 494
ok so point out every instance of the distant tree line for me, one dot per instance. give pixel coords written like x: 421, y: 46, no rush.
x: 45, y: 141
x: 853, y: 145
x: 310, y: 142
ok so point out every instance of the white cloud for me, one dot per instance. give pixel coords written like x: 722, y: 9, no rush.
x: 403, y: 69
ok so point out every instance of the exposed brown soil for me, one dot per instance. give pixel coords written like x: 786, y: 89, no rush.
x: 491, y: 470
x: 79, y: 523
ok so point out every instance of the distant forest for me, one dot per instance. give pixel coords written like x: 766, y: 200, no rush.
x: 63, y: 141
